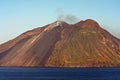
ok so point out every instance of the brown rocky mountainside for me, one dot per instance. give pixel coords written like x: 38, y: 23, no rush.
x: 84, y: 44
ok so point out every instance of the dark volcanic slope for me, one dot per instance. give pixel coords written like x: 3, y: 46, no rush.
x: 59, y: 44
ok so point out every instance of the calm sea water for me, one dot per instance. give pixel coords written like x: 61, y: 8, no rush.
x: 15, y: 73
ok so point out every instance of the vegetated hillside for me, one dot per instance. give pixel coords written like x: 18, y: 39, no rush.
x: 84, y: 44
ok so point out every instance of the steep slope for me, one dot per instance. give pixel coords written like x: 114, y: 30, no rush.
x: 31, y: 48
x: 59, y: 44
x: 87, y: 45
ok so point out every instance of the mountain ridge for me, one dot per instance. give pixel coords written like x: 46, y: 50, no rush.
x: 84, y: 44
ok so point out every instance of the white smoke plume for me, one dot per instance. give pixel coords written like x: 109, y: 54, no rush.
x: 69, y: 18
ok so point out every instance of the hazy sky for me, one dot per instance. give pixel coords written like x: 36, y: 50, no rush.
x: 18, y: 16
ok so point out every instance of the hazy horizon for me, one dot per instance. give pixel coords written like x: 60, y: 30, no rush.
x: 17, y: 17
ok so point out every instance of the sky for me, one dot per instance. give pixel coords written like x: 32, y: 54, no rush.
x: 18, y: 16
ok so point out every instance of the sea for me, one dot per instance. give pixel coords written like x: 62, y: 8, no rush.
x: 39, y: 73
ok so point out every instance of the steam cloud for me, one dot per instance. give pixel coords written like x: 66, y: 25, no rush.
x: 69, y: 18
